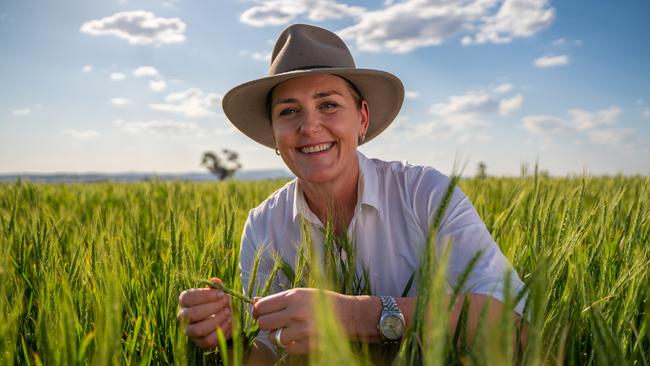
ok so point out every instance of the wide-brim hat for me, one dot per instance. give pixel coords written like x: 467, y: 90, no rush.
x: 303, y: 50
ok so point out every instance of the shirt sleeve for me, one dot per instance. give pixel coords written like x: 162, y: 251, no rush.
x: 250, y: 244
x: 463, y: 229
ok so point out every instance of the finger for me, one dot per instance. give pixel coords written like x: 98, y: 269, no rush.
x: 275, y: 320
x: 197, y: 296
x: 203, y: 328
x: 202, y: 311
x: 269, y: 304
x: 294, y: 333
x: 297, y: 348
x: 211, y: 340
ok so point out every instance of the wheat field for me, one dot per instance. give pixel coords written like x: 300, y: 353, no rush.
x: 91, y: 273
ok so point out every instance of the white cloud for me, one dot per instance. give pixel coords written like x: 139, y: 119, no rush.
x: 145, y: 71
x: 582, y: 123
x: 281, y: 12
x: 544, y: 125
x: 22, y: 112
x: 609, y: 136
x: 119, y: 101
x: 503, y: 88
x: 563, y: 41
x: 80, y: 135
x: 157, y: 85
x: 586, y: 120
x: 87, y: 69
x: 159, y: 127
x: 469, y: 103
x: 138, y: 28
x: 551, y: 61
x: 404, y: 26
x: 192, y: 103
x: 117, y: 76
x: 260, y: 56
x: 507, y: 106
x: 412, y: 94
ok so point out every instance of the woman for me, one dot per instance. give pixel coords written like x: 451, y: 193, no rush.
x: 315, y: 108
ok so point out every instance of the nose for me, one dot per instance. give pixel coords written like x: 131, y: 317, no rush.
x: 310, y: 123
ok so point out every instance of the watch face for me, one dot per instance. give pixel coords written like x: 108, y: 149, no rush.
x: 392, y: 327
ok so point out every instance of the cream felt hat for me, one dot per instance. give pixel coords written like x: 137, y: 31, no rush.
x: 303, y: 50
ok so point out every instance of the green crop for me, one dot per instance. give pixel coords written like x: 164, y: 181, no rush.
x: 89, y: 273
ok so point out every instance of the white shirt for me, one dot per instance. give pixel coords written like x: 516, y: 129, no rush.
x: 395, y: 208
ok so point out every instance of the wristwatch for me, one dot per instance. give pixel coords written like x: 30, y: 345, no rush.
x: 391, y: 321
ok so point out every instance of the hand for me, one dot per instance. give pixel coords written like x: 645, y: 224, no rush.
x: 292, y: 311
x: 202, y: 311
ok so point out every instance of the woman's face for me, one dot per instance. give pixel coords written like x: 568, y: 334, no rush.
x: 316, y: 125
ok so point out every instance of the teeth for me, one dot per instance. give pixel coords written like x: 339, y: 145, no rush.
x: 316, y: 148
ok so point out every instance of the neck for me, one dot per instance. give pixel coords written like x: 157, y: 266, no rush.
x: 333, y: 201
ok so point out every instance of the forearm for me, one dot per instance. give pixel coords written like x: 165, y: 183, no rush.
x: 360, y: 314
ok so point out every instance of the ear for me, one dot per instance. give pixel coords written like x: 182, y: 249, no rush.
x: 365, y: 117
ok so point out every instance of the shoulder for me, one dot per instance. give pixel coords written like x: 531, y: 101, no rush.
x: 410, y: 177
x: 279, y: 203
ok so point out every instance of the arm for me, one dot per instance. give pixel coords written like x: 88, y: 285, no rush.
x: 360, y: 314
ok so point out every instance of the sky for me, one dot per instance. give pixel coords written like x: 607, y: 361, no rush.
x: 136, y: 85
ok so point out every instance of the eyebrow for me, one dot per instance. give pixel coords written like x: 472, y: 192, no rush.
x: 317, y: 95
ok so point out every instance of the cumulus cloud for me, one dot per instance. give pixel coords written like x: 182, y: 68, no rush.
x: 544, y: 125
x: 609, y: 136
x: 192, y: 103
x: 117, y: 76
x: 87, y: 69
x: 159, y: 127
x: 281, y: 12
x: 119, y: 102
x: 412, y: 94
x: 80, y: 135
x: 509, y: 105
x: 503, y: 88
x: 552, y: 61
x: 596, y: 125
x: 404, y: 26
x: 21, y: 112
x: 138, y: 28
x: 476, y: 102
x: 514, y: 18
x: 145, y: 71
x: 586, y: 120
x: 157, y: 85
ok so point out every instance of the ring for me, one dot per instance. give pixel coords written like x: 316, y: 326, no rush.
x: 278, y: 334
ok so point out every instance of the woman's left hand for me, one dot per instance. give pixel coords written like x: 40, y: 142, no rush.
x: 292, y: 311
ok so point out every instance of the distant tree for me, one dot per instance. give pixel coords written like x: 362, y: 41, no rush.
x: 481, y: 170
x: 222, y: 167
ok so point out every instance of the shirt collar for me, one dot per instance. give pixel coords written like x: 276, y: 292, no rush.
x: 367, y: 193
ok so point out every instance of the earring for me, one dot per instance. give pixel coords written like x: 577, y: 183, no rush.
x: 362, y: 138
x: 277, y: 151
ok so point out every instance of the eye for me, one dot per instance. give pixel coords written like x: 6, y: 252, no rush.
x: 328, y: 106
x: 288, y: 111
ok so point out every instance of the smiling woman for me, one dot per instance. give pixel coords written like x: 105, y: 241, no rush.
x: 315, y: 108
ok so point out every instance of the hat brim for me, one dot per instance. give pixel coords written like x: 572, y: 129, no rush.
x: 245, y: 105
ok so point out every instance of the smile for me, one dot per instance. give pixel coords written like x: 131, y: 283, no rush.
x: 316, y: 148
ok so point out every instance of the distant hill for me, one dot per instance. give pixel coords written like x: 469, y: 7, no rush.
x: 135, y: 177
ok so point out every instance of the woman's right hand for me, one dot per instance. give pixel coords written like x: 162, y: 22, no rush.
x: 202, y: 311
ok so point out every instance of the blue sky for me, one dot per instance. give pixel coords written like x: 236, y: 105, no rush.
x: 136, y: 85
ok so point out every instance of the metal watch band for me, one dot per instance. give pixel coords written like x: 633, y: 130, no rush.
x: 388, y: 304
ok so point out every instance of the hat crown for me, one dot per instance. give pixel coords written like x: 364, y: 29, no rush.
x: 304, y: 47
